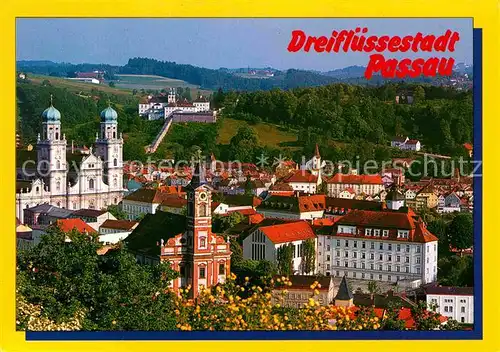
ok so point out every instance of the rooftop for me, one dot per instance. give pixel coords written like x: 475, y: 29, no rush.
x: 288, y: 232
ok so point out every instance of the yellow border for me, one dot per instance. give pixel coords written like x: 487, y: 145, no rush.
x: 485, y: 15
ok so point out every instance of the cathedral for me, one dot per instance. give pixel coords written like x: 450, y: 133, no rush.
x: 72, y: 181
x: 201, y: 257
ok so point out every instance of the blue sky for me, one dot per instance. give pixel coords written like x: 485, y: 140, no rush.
x: 215, y: 43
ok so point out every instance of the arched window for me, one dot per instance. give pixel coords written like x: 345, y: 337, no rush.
x: 91, y: 183
x: 115, y: 162
x: 57, y: 135
x: 116, y: 201
x: 37, y: 189
x: 114, y: 134
x: 202, y: 210
x: 203, y: 242
x: 59, y: 204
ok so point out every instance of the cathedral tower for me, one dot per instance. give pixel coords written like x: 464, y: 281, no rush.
x: 51, y: 151
x: 109, y: 147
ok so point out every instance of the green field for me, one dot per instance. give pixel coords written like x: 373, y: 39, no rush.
x: 154, y: 82
x: 76, y: 86
x: 269, y: 134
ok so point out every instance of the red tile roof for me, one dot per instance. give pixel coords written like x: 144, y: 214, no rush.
x: 67, y: 225
x: 356, y: 179
x: 302, y: 176
x: 245, y: 212
x: 288, y: 232
x: 412, y: 141
x: 174, y: 202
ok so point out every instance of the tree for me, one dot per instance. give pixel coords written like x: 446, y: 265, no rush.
x: 70, y: 279
x: 425, y: 317
x: 438, y: 227
x: 461, y: 231
x: 456, y: 271
x: 391, y: 320
x: 284, y: 256
x: 419, y: 94
x: 308, y: 256
x: 373, y: 289
x: 243, y: 144
x: 117, y: 212
x: 111, y: 84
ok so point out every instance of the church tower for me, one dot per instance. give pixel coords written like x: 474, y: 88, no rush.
x: 51, y: 151
x: 316, y: 165
x: 172, y: 98
x: 109, y: 147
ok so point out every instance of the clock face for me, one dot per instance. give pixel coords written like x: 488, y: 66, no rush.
x: 203, y: 196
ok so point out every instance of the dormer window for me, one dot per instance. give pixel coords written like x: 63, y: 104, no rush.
x: 403, y: 234
x: 368, y: 232
x: 376, y: 232
x: 385, y: 233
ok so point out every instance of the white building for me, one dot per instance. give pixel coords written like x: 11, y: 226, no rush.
x: 452, y: 302
x: 263, y: 243
x: 71, y: 181
x: 404, y: 143
x: 113, y: 231
x: 379, y: 245
x: 308, y: 179
x: 143, y: 201
x: 366, y: 184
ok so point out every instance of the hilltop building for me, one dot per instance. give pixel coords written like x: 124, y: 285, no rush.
x: 71, y: 181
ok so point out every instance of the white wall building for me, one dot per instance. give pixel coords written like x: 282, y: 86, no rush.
x: 453, y: 302
x: 367, y: 184
x: 381, y: 246
x: 263, y: 243
x: 293, y: 207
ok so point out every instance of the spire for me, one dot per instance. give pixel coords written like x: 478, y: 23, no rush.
x: 344, y: 293
x: 51, y: 100
x: 198, y: 178
x: 316, y: 152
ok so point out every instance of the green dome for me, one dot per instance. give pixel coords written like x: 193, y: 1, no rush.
x: 109, y: 115
x: 51, y: 114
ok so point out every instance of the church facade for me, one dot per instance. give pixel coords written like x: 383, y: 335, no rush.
x: 66, y: 180
x: 201, y: 257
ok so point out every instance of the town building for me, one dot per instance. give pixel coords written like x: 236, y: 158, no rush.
x: 161, y: 107
x: 393, y: 246
x: 114, y: 231
x: 45, y: 214
x: 143, y: 201
x: 201, y: 257
x: 264, y: 242
x: 68, y: 181
x: 452, y: 302
x: 404, y: 143
x: 298, y: 294
x: 354, y: 184
x: 305, y: 207
x: 309, y: 178
x: 93, y: 217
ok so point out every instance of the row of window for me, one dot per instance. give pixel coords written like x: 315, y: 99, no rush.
x: 371, y: 256
x: 202, y: 271
x: 381, y: 245
x: 379, y: 267
x: 367, y: 276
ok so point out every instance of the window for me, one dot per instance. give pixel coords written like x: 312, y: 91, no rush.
x: 346, y: 243
x: 362, y: 275
x: 389, y: 278
x: 202, y: 210
x: 346, y: 264
x: 462, y: 319
x: 380, y: 277
x: 451, y: 309
x: 407, y: 269
x: 222, y: 269
x: 371, y: 267
x: 372, y: 256
x: 428, y: 249
x: 202, y: 242
x: 372, y: 245
x: 381, y: 257
x: 389, y: 246
x: 462, y: 301
x: 371, y: 276
x: 338, y: 243
x: 338, y: 263
x: 376, y: 232
x: 346, y: 254
x: 417, y: 269
x: 363, y: 266
x: 363, y: 244
x: 385, y: 233
x: 355, y: 254
x: 91, y: 183
x: 354, y: 275
x: 328, y: 247
x: 328, y: 258
x: 380, y: 267
x: 381, y: 246
x: 202, y: 273
x: 398, y: 258
x: 363, y: 255
x: 389, y: 268
x: 58, y: 185
x: 407, y: 248
x: 418, y: 249
x: 368, y: 232
x: 462, y: 309
x: 417, y: 260
x: 337, y: 273
x: 327, y: 266
x: 338, y: 253
x: 398, y: 247
x: 354, y: 265
x: 355, y: 244
x: 407, y: 259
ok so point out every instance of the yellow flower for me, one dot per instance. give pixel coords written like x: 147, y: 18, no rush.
x: 316, y: 292
x: 247, y: 278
